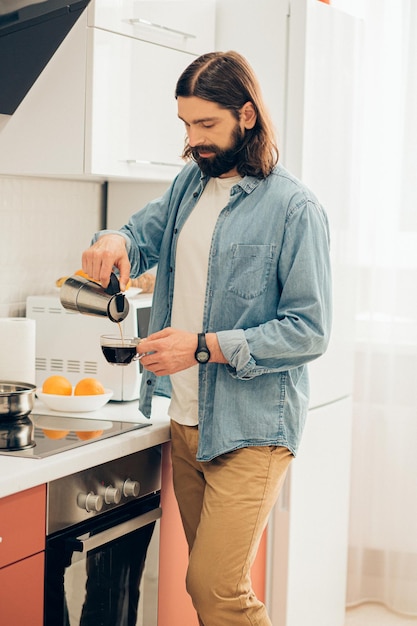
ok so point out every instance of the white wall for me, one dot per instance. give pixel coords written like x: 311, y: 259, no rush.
x: 45, y: 224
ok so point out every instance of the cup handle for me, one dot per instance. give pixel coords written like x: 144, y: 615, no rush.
x: 138, y: 356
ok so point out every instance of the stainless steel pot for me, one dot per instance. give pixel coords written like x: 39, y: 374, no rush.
x: 16, y: 399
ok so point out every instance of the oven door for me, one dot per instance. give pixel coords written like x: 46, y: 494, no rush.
x: 104, y: 572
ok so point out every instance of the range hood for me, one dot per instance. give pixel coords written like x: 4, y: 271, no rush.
x: 30, y: 33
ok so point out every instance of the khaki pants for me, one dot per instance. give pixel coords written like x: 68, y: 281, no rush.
x: 224, y: 506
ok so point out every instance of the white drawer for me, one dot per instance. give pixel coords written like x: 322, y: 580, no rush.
x: 187, y: 25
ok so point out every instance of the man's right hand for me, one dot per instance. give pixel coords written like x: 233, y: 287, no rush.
x: 107, y: 252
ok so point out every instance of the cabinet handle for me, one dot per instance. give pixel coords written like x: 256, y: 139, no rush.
x: 143, y: 162
x: 139, y: 21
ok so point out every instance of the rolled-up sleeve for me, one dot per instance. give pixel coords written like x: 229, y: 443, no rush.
x: 235, y: 349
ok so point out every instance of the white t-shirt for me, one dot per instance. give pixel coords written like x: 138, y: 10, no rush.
x: 191, y: 265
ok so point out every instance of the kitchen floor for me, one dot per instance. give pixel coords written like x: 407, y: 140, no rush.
x: 371, y: 614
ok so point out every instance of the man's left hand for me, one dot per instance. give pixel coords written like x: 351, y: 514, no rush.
x: 168, y: 351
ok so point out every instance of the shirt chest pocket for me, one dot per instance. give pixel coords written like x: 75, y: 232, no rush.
x: 250, y: 269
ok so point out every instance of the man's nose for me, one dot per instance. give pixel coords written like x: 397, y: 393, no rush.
x: 195, y: 137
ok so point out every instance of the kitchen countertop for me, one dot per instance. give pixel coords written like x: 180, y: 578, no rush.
x: 18, y: 473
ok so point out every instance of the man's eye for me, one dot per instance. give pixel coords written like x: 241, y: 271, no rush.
x: 208, y: 125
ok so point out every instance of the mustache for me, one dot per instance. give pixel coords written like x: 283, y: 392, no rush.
x: 205, y: 148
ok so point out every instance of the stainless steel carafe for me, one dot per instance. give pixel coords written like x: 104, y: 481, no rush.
x: 85, y: 296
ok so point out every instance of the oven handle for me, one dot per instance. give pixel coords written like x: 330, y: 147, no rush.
x: 82, y: 544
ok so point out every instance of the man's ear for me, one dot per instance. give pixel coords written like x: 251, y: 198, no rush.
x: 248, y: 115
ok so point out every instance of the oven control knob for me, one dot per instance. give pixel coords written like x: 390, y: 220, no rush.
x: 131, y: 488
x: 112, y: 495
x: 90, y: 502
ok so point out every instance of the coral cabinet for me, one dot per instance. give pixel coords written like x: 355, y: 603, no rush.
x: 22, y: 545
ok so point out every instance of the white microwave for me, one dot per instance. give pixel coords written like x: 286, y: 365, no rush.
x: 68, y: 343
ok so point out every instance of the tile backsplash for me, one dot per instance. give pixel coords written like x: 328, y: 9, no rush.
x: 45, y: 224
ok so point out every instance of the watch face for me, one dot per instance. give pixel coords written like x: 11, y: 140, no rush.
x: 202, y: 356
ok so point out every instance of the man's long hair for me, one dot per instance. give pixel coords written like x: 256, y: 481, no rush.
x: 227, y: 79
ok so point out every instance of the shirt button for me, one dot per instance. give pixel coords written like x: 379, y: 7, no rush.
x: 149, y: 382
x: 195, y: 194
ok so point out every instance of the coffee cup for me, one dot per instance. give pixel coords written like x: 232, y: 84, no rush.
x: 119, y: 350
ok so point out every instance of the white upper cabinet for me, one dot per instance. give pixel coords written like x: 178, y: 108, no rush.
x: 132, y: 127
x: 186, y: 25
x: 104, y: 106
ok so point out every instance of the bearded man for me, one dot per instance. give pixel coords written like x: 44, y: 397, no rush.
x: 242, y: 303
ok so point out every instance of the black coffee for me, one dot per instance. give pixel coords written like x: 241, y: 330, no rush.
x: 119, y: 355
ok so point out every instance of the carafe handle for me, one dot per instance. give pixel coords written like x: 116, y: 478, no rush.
x: 113, y: 287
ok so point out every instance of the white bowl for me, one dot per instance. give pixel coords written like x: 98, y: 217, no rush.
x: 74, y: 404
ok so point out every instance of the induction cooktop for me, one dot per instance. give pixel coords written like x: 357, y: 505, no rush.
x: 54, y: 434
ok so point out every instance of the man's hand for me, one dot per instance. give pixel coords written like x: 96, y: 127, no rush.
x: 106, y: 253
x: 169, y: 351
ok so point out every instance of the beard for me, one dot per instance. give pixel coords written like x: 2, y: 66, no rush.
x: 224, y: 160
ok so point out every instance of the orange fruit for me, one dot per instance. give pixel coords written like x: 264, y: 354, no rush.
x: 84, y: 435
x: 88, y: 387
x: 55, y: 434
x: 57, y: 385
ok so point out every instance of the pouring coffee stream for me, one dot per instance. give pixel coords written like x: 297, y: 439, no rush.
x: 113, y: 289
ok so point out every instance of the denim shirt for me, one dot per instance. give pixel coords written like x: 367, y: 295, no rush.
x: 268, y: 298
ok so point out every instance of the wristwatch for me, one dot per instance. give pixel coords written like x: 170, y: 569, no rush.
x: 202, y: 354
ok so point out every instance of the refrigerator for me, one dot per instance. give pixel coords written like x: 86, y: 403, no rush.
x: 306, y: 54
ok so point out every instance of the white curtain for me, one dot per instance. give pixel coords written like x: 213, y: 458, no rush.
x: 383, y: 524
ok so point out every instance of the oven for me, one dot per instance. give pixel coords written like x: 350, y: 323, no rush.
x: 102, y: 545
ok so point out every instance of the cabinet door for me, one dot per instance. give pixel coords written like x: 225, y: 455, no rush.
x: 22, y: 525
x: 309, y: 525
x: 132, y: 128
x: 21, y: 592
x: 186, y: 25
x: 45, y: 136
